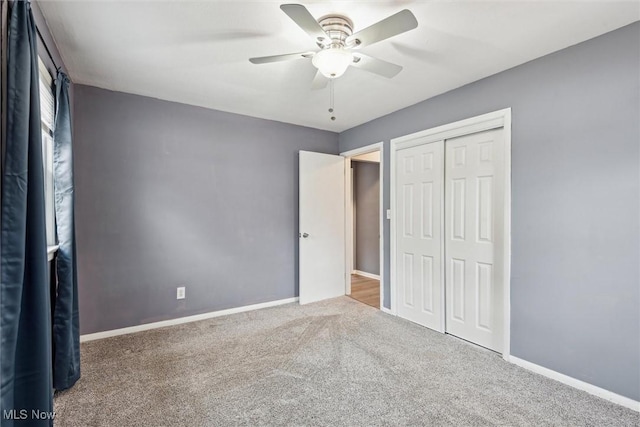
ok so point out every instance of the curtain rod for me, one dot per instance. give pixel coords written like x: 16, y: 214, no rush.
x: 44, y: 43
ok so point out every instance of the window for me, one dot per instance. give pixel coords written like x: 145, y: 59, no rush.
x: 47, y: 113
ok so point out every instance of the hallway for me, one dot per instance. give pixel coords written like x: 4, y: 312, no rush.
x: 365, y: 290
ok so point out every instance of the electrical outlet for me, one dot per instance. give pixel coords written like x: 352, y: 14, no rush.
x: 181, y: 293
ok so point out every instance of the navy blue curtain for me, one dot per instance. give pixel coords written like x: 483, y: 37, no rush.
x: 25, y: 322
x: 66, y: 330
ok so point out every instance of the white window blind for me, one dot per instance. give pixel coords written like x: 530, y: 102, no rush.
x: 47, y: 117
x: 47, y: 105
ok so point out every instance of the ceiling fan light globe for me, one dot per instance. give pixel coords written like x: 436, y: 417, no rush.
x: 332, y: 63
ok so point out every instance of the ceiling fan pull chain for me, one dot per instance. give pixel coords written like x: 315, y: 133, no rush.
x: 331, y: 99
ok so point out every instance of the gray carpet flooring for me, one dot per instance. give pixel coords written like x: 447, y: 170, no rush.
x: 334, y: 363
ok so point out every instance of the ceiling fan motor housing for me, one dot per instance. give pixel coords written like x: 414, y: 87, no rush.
x: 338, y: 28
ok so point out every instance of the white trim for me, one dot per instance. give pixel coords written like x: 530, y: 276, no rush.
x: 392, y: 225
x: 367, y: 275
x: 353, y: 222
x: 506, y: 345
x: 443, y: 268
x: 386, y: 310
x: 576, y: 383
x: 493, y: 120
x: 349, y: 224
x: 469, y: 126
x: 378, y: 146
x: 181, y: 320
x: 381, y: 226
x: 363, y: 150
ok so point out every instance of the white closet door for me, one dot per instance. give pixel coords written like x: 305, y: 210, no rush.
x: 474, y: 249
x: 420, y: 183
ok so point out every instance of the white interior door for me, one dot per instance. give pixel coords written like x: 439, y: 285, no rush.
x: 322, y: 227
x: 420, y: 184
x: 474, y: 248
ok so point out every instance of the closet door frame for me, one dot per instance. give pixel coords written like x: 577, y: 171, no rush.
x: 493, y: 120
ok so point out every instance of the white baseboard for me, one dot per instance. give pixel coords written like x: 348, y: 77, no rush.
x: 181, y: 320
x: 386, y: 310
x: 580, y: 385
x: 365, y: 274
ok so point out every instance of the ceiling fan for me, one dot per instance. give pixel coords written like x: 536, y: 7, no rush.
x: 339, y: 45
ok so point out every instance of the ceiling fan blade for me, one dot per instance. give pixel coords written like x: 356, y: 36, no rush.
x: 399, y: 23
x: 279, y: 58
x: 306, y: 21
x: 376, y: 66
x: 319, y: 81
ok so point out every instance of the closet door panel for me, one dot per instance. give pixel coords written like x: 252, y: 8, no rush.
x: 474, y: 196
x: 419, y: 196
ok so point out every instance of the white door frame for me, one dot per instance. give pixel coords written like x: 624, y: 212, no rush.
x: 378, y: 146
x: 493, y: 120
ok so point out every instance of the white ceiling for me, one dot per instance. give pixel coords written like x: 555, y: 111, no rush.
x: 196, y: 52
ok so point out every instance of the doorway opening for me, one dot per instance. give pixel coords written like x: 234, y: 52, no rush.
x: 364, y: 225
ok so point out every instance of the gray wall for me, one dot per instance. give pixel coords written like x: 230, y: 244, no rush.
x: 171, y: 195
x: 575, y: 304
x: 366, y: 191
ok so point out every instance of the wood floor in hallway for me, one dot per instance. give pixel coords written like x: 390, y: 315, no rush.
x: 365, y: 290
